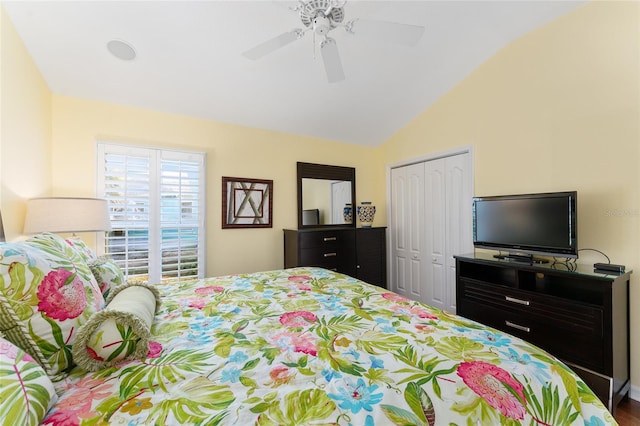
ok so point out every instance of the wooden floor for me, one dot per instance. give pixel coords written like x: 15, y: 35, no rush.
x: 628, y: 413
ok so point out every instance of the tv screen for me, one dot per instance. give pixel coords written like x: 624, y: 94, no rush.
x: 527, y: 223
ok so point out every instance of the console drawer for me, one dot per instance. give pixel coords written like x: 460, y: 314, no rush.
x: 579, y: 319
x: 552, y: 336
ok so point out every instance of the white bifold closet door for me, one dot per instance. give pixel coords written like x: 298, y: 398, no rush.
x: 430, y: 223
x: 407, y: 231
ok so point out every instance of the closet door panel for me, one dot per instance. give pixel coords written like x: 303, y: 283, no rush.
x: 459, y: 193
x: 398, y: 221
x: 407, y: 209
x: 435, y: 233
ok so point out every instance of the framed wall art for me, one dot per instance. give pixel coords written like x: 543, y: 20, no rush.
x: 247, y: 203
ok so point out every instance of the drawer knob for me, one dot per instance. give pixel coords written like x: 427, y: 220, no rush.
x: 518, y: 301
x: 517, y: 326
x: 330, y: 254
x: 329, y: 238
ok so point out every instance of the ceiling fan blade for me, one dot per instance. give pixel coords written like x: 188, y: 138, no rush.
x: 331, y: 59
x: 274, y: 44
x: 392, y: 32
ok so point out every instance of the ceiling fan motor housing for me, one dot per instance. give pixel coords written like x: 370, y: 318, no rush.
x: 314, y: 14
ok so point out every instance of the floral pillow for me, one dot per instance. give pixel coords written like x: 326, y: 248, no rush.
x: 46, y: 293
x: 121, y: 331
x: 107, y: 273
x: 26, y: 392
x: 82, y: 249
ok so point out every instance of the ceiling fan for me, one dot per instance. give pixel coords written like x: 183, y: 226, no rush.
x: 323, y: 16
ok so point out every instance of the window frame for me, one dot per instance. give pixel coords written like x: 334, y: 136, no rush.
x: 156, y: 156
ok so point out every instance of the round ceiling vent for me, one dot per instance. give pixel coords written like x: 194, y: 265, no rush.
x: 121, y: 50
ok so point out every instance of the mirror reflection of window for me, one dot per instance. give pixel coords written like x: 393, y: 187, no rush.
x: 329, y: 197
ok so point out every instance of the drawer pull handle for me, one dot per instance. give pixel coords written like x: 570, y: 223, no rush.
x: 519, y: 301
x: 518, y: 327
x: 330, y: 254
x: 329, y: 238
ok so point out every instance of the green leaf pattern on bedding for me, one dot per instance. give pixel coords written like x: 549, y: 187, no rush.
x: 308, y: 346
x: 26, y: 393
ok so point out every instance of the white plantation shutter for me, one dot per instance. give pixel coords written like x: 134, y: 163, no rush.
x: 156, y: 205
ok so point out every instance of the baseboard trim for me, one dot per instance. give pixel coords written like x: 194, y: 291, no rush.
x: 634, y: 393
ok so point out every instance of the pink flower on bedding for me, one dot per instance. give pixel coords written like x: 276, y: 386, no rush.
x: 298, y: 319
x: 155, y: 349
x: 425, y: 328
x: 395, y: 298
x: 422, y: 312
x: 61, y: 296
x: 86, y: 389
x: 8, y: 349
x: 304, y: 343
x: 62, y: 418
x: 297, y: 342
x: 496, y: 386
x: 299, y: 278
x: 196, y: 302
x: 209, y: 290
x: 76, y: 404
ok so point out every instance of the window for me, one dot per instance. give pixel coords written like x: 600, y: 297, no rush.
x: 156, y: 204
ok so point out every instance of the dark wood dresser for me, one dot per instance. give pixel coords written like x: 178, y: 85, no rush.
x: 358, y: 252
x: 580, y: 316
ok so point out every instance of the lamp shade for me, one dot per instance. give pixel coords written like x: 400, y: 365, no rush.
x: 65, y: 214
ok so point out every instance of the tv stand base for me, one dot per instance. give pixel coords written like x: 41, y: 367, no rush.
x: 522, y: 258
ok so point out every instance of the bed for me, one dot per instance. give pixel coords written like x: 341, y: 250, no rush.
x: 307, y: 346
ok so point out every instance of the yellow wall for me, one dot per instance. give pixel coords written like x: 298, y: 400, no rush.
x: 557, y: 109
x: 25, y: 129
x: 231, y: 151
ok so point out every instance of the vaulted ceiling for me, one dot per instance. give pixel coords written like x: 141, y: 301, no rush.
x: 189, y: 59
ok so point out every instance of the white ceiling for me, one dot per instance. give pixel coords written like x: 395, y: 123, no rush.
x: 189, y: 59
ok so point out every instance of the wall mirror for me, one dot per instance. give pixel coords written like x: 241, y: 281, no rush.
x: 323, y: 193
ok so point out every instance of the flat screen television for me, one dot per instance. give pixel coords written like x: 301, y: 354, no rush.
x: 527, y: 224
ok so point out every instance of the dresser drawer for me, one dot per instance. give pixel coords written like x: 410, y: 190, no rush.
x: 332, y: 249
x: 329, y: 258
x: 326, y: 239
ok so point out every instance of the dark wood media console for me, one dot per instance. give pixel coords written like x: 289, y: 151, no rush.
x: 580, y: 316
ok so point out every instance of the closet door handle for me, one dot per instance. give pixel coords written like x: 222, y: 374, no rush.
x: 330, y: 254
x: 329, y: 239
x: 517, y: 327
x: 518, y: 301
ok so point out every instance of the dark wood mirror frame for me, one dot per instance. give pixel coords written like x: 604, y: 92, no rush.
x: 327, y: 172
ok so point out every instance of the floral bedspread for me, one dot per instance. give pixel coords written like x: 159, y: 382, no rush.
x: 308, y: 346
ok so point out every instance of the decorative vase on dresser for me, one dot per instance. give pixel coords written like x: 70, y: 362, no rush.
x: 366, y: 212
x: 348, y: 214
